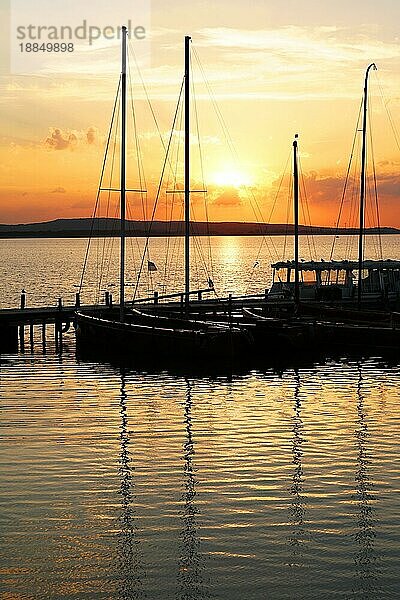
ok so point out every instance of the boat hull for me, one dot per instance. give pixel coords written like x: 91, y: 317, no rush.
x: 110, y: 337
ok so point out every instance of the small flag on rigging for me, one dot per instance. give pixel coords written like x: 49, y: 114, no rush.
x: 151, y: 267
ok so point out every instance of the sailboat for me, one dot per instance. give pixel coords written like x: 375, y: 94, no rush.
x: 358, y: 283
x: 125, y: 331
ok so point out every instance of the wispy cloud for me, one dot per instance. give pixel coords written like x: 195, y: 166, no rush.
x: 291, y: 62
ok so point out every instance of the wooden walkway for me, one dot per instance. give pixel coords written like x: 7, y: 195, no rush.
x: 14, y: 321
x: 39, y: 315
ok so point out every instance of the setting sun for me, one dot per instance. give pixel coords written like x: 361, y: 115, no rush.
x: 231, y: 178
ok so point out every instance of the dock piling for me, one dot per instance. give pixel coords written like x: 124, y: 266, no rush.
x: 21, y: 332
x: 44, y: 337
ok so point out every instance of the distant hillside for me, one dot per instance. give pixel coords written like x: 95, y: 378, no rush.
x: 110, y: 227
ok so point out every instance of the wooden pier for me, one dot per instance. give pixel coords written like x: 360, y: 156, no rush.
x: 15, y: 323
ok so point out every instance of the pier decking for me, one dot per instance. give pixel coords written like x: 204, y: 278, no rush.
x: 14, y: 321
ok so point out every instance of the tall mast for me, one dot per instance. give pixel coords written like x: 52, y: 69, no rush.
x: 187, y: 168
x: 296, y: 222
x: 362, y: 186
x: 123, y: 175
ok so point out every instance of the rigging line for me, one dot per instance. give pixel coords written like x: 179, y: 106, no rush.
x: 196, y: 239
x: 100, y: 279
x: 141, y: 172
x: 354, y: 205
x: 370, y: 223
x: 279, y: 188
x: 142, y: 177
x: 289, y: 204
x: 177, y: 246
x: 202, y: 172
x: 346, y: 182
x: 271, y: 213
x: 389, y: 114
x: 132, y: 231
x: 307, y: 212
x: 222, y: 121
x: 229, y: 140
x: 252, y: 272
x: 158, y: 190
x: 176, y: 253
x: 169, y: 217
x: 132, y: 52
x: 100, y: 184
x: 114, y: 228
x: 304, y: 216
x: 378, y: 217
x: 174, y: 179
x: 111, y: 245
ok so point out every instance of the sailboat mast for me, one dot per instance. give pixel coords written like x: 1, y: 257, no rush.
x: 123, y: 175
x: 362, y: 186
x: 296, y: 222
x: 187, y: 168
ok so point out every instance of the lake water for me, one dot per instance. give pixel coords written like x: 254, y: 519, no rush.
x: 120, y: 483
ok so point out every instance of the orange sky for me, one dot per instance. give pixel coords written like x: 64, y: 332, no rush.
x: 273, y: 73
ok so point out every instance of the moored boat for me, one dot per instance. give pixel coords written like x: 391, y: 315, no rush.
x: 361, y: 283
x: 124, y: 331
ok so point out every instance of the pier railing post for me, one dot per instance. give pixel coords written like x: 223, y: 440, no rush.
x: 23, y: 299
x: 22, y: 338
x: 77, y: 300
x: 31, y: 340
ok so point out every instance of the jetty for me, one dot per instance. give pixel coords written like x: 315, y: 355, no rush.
x: 15, y: 323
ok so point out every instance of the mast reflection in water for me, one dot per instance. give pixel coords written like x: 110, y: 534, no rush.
x: 367, y: 560
x: 297, y: 508
x: 299, y: 534
x: 129, y: 559
x: 191, y: 562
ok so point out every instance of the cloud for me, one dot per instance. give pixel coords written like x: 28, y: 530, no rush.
x: 60, y: 141
x: 58, y: 190
x: 311, y: 43
x: 389, y: 186
x: 330, y: 189
x: 91, y: 135
x: 293, y: 62
x: 229, y: 197
x: 65, y: 139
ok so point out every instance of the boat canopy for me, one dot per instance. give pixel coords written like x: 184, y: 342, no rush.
x: 339, y: 265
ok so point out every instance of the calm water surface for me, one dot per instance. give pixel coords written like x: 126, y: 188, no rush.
x: 123, y: 484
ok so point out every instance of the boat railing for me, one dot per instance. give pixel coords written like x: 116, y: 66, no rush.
x: 157, y: 298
